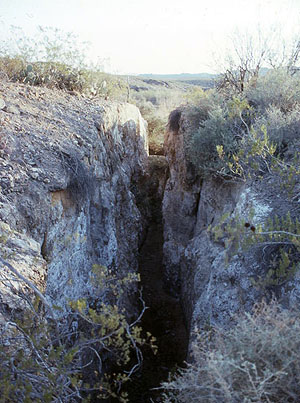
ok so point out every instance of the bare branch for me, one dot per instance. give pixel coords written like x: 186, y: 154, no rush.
x: 30, y: 285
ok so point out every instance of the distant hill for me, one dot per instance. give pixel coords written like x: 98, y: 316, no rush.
x: 172, y: 81
x: 179, y: 77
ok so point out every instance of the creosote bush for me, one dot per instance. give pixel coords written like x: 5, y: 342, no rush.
x: 202, y: 148
x: 282, y: 128
x: 258, y: 360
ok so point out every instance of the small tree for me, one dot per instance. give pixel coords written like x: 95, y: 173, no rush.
x: 251, y: 52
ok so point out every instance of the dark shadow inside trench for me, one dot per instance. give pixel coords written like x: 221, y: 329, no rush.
x: 164, y: 317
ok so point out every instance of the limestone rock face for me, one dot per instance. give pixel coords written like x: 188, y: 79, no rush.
x: 214, y: 283
x: 67, y: 165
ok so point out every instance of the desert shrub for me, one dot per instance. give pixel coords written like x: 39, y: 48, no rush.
x: 64, y: 77
x: 12, y: 67
x: 277, y: 88
x: 197, y: 110
x: 53, y: 75
x: 57, y: 60
x: 212, y: 123
x: 48, y: 44
x: 48, y: 356
x: 276, y: 243
x: 155, y: 105
x: 243, y: 132
x: 195, y: 95
x: 156, y: 127
x: 202, y: 147
x: 37, y: 59
x: 283, y: 128
x: 258, y: 360
x: 164, y: 99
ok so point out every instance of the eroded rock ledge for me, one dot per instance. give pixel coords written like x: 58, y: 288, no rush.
x: 213, y: 291
x: 75, y: 192
x: 66, y: 169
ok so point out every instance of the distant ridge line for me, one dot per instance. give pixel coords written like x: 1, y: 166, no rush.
x: 182, y: 76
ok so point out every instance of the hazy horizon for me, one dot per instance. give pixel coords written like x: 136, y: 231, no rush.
x: 166, y: 37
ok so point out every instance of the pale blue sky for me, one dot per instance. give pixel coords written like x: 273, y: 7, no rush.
x: 152, y: 36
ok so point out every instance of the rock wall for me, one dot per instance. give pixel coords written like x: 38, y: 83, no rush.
x: 75, y: 193
x: 66, y: 168
x: 213, y: 283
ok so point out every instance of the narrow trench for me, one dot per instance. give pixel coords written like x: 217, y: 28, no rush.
x: 164, y: 316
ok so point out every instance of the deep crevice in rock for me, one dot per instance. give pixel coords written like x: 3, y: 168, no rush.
x: 164, y: 318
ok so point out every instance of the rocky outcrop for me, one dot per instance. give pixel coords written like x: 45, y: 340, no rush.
x: 216, y: 280
x: 67, y: 165
x: 78, y: 191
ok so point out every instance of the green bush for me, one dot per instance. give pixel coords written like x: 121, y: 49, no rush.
x: 64, y: 77
x: 242, y: 132
x: 277, y: 88
x: 195, y: 95
x: 48, y: 357
x: 156, y: 127
x: 258, y: 360
x: 283, y: 128
x: 202, y: 147
x: 155, y: 104
x: 211, y: 123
